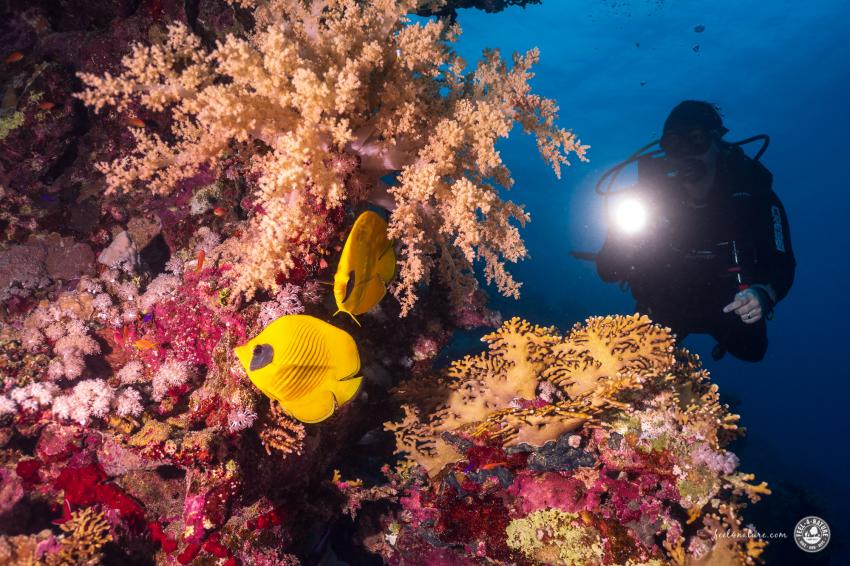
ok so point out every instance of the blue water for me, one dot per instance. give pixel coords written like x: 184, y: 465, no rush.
x: 775, y: 67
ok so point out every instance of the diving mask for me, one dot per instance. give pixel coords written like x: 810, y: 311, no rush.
x: 678, y: 144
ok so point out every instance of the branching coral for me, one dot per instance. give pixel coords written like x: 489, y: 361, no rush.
x: 281, y: 433
x: 85, y: 534
x: 496, y: 393
x: 321, y: 82
x: 577, y: 449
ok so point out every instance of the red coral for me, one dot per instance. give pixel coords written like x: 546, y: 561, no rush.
x: 158, y: 535
x: 463, y: 520
x: 28, y: 470
x: 550, y: 490
x: 189, y: 553
x: 214, y: 547
x: 187, y: 325
x: 86, y: 485
x: 271, y: 519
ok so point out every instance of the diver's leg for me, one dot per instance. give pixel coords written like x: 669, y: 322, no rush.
x: 746, y: 342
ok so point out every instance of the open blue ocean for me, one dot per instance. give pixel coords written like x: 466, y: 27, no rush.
x: 616, y: 69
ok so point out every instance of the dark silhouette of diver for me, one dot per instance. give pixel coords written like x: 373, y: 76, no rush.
x: 701, y: 238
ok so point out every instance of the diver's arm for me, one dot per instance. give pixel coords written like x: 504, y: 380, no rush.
x: 775, y: 257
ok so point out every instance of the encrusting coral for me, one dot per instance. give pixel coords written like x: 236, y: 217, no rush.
x: 322, y: 100
x: 569, y: 450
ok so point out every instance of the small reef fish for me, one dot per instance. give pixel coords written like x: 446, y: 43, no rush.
x: 219, y: 211
x: 366, y: 267
x: 14, y: 57
x: 136, y: 122
x: 46, y: 105
x: 306, y: 364
x: 144, y: 344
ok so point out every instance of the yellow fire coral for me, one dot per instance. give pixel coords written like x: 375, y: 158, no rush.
x: 610, y: 354
x: 324, y: 81
x: 495, y: 393
x: 551, y: 536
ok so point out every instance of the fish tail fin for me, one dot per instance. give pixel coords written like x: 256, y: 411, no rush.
x: 336, y: 313
x: 328, y: 283
x: 345, y: 389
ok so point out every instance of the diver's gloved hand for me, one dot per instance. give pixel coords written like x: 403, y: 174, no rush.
x: 749, y: 304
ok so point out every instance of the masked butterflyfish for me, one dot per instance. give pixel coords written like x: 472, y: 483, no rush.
x: 306, y: 364
x: 366, y: 267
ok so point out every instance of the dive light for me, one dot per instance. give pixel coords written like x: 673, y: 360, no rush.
x: 630, y: 214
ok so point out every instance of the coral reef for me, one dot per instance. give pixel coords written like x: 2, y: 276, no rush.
x: 603, y: 446
x: 319, y: 102
x: 201, y: 185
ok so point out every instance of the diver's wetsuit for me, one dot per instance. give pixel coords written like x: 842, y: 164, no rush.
x: 679, y: 268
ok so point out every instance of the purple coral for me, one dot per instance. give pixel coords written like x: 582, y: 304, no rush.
x: 285, y: 302
x: 720, y: 460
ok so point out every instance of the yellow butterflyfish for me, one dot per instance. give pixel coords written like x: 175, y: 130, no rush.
x: 306, y: 364
x: 366, y: 267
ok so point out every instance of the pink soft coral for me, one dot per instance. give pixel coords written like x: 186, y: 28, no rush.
x: 172, y: 373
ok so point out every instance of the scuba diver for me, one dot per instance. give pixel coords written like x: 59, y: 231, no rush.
x: 701, y: 239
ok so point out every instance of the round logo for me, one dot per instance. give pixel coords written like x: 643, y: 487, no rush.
x: 811, y: 533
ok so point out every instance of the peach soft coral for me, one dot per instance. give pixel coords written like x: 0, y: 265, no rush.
x: 320, y: 82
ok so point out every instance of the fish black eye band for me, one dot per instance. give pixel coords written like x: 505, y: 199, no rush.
x: 262, y: 356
